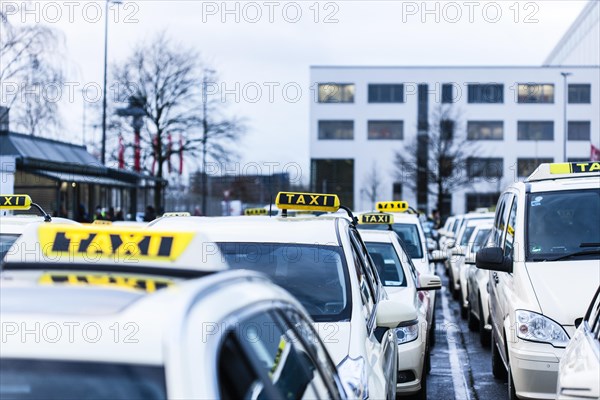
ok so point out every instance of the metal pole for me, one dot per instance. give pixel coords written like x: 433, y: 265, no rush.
x: 565, y: 123
x: 204, y: 139
x: 104, y: 87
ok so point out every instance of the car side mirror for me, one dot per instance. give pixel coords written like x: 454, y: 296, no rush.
x: 578, y: 322
x: 450, y: 243
x: 429, y: 282
x: 391, y: 313
x: 492, y: 258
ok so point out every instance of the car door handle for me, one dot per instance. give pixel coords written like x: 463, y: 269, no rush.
x: 496, y: 279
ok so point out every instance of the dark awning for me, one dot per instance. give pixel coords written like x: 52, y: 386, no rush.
x: 78, y: 178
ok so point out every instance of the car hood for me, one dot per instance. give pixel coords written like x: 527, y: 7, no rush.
x: 336, y: 338
x: 564, y: 289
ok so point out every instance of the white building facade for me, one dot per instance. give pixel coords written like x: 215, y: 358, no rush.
x: 511, y: 118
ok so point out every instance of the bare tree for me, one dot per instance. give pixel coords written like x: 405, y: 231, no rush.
x: 30, y: 69
x: 167, y: 81
x: 371, y: 185
x: 448, y: 151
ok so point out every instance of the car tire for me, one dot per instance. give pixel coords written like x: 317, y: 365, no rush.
x: 498, y: 369
x: 471, y: 320
x: 484, y: 336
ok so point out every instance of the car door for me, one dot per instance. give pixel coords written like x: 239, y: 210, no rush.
x: 381, y: 343
x: 264, y: 356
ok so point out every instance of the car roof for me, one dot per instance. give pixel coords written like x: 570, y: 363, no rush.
x: 588, y: 182
x: 309, y: 230
x: 373, y: 235
x: 156, y: 317
x: 16, y: 224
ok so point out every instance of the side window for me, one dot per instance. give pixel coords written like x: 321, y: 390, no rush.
x: 327, y: 384
x: 370, y: 269
x: 365, y: 290
x: 594, y: 317
x: 501, y: 218
x: 280, y: 366
x: 511, y: 230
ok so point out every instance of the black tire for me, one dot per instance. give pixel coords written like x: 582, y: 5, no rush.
x: 484, y: 336
x: 427, y: 361
x: 498, y: 369
x: 471, y: 320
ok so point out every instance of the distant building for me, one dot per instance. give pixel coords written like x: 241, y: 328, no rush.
x: 365, y: 114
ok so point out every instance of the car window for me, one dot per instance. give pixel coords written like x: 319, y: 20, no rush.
x: 366, y: 292
x: 6, y: 240
x: 480, y: 239
x: 369, y: 267
x: 387, y: 263
x: 593, y: 315
x: 500, y: 220
x: 563, y: 222
x: 276, y: 352
x: 408, y: 233
x: 315, y: 274
x: 50, y: 379
x: 330, y: 385
x: 511, y: 230
x: 464, y: 240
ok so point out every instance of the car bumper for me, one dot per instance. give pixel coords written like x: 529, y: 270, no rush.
x: 535, y: 372
x: 411, y: 357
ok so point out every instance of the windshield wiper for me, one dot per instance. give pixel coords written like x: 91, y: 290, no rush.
x: 589, y: 245
x: 575, y: 254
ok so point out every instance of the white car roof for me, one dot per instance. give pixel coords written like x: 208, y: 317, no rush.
x: 16, y: 224
x: 309, y: 230
x: 154, y: 318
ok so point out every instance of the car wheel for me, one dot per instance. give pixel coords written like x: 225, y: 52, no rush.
x: 484, y: 336
x: 498, y: 369
x: 472, y: 321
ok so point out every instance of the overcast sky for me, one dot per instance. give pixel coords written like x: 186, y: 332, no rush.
x: 273, y: 41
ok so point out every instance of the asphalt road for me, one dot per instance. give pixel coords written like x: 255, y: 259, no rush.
x: 460, y: 367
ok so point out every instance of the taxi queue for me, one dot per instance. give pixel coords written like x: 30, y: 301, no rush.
x: 315, y: 302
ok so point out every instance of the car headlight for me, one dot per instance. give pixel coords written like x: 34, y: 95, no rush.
x: 353, y: 373
x: 407, y: 333
x: 538, y: 328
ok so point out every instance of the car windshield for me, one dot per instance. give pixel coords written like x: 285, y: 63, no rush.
x: 25, y: 379
x: 387, y: 262
x: 315, y: 274
x: 562, y: 223
x: 408, y: 233
x: 480, y: 238
x: 6, y: 240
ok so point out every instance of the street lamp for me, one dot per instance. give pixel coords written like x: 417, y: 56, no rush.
x: 103, y: 156
x: 565, y: 124
x: 205, y: 82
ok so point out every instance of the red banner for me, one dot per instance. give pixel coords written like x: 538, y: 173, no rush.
x: 121, y: 153
x: 180, y: 154
x: 594, y: 153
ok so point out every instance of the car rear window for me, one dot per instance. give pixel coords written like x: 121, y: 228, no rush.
x: 29, y: 379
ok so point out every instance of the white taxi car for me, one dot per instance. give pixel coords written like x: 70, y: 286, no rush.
x: 478, y: 309
x: 231, y: 335
x: 324, y: 263
x: 545, y: 268
x: 404, y: 284
x: 579, y: 368
x: 11, y: 226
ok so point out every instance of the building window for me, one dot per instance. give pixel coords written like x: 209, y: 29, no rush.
x: 447, y: 93
x: 334, y: 176
x: 579, y: 130
x: 485, y: 130
x: 577, y: 159
x: 397, y: 191
x: 337, y: 130
x: 336, y: 93
x: 386, y: 130
x: 525, y: 166
x: 386, y: 93
x: 535, y: 130
x: 580, y: 93
x: 480, y: 200
x: 446, y: 129
x: 485, y: 167
x: 536, y: 93
x: 486, y: 93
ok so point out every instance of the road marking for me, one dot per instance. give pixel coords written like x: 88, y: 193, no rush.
x: 458, y: 377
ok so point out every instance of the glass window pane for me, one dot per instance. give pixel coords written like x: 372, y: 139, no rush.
x: 485, y: 167
x: 536, y: 93
x: 580, y: 93
x: 387, y: 263
x: 382, y: 130
x: 579, y: 130
x: 535, y: 130
x: 485, y: 93
x: 485, y: 130
x: 386, y: 93
x: 336, y: 130
x: 336, y: 93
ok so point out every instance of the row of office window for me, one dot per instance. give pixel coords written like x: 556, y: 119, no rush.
x: 476, y: 130
x: 477, y: 93
x: 494, y: 167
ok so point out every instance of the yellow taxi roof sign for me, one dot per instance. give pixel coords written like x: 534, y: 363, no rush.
x: 565, y: 170
x: 140, y: 283
x: 375, y: 219
x: 307, y: 201
x: 15, y: 202
x: 102, y: 222
x: 392, y: 206
x: 97, y: 242
x: 177, y: 214
x: 255, y: 211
